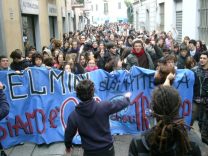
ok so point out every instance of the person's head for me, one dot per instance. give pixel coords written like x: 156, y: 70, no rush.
x: 67, y: 68
x: 56, y: 52
x: 102, y: 46
x: 199, y: 44
x: 112, y: 37
x: 74, y: 44
x: 82, y: 60
x: 170, y: 60
x: 46, y: 53
x: 120, y: 43
x: 113, y: 64
x: 166, y: 102
x: 56, y: 44
x: 169, y: 35
x: 94, y: 44
x: 37, y: 59
x: 170, y: 129
x: 130, y: 39
x: 166, y: 51
x: 49, y: 62
x: 192, y: 45
x: 176, y: 48
x: 16, y: 55
x: 85, y: 90
x: 203, y: 61
x: 91, y: 63
x: 4, y: 62
x: 183, y: 50
x: 161, y: 74
x: 66, y: 45
x: 82, y: 39
x: 111, y: 47
x: 138, y: 45
x: 190, y: 62
x: 32, y: 50
x: 60, y: 58
x: 186, y: 40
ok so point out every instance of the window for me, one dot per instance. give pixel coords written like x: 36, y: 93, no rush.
x: 105, y: 8
x: 96, y: 7
x: 203, y: 24
x: 92, y: 7
x: 119, y: 5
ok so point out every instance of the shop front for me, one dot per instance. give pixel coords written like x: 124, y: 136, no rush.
x: 30, y: 24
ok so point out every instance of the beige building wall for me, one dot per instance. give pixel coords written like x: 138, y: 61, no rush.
x: 11, y: 22
x: 59, y: 4
x: 12, y: 25
x: 44, y: 23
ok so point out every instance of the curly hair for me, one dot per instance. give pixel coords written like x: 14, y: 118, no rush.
x: 170, y: 129
x: 85, y: 90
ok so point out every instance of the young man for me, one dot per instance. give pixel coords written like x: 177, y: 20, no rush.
x: 200, y: 99
x: 139, y: 57
x: 4, y: 63
x: 91, y: 119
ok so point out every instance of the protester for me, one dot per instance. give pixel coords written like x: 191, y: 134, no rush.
x: 139, y: 57
x: 91, y: 65
x: 18, y: 63
x: 37, y: 60
x: 91, y: 119
x: 181, y: 59
x: 164, y: 75
x: 200, y: 99
x: 4, y: 110
x: 4, y: 63
x: 169, y: 137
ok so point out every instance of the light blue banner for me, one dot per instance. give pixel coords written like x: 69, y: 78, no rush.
x: 41, y: 100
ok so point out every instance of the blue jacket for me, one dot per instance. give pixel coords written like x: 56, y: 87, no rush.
x: 91, y: 119
x: 4, y: 106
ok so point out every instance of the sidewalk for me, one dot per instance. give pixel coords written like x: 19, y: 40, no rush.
x: 121, y: 143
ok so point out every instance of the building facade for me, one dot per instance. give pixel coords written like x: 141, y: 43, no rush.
x: 26, y: 23
x: 101, y: 11
x: 184, y: 17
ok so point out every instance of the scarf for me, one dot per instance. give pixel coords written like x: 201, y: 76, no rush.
x: 138, y: 54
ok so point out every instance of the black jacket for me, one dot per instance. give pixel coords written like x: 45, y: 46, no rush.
x: 91, y: 119
x: 4, y: 106
x: 139, y: 147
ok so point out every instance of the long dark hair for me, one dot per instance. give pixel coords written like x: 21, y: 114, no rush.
x: 170, y: 129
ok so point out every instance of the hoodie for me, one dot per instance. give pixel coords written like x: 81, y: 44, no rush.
x: 91, y: 119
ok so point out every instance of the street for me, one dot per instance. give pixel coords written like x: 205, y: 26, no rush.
x: 121, y: 144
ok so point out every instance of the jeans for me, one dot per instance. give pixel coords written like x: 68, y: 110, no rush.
x: 107, y: 152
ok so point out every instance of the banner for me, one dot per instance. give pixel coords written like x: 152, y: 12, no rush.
x: 41, y: 101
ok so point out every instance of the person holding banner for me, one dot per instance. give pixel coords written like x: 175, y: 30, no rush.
x: 169, y: 137
x: 91, y: 119
x: 4, y: 110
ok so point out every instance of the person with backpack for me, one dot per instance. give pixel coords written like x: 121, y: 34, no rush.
x: 169, y: 137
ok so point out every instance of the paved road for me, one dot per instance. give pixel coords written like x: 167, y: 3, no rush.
x: 121, y: 144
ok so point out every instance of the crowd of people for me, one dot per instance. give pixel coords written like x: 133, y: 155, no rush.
x: 118, y: 46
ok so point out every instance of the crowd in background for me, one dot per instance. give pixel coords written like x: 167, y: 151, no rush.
x: 118, y: 46
x: 109, y: 47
